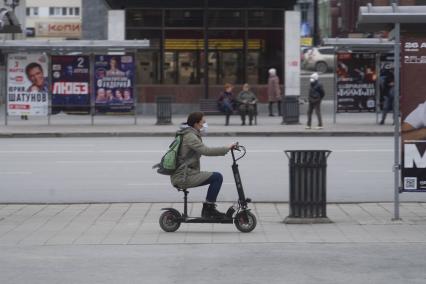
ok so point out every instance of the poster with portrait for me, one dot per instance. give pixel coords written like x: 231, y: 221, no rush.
x: 413, y: 113
x: 27, y: 84
x: 70, y: 84
x: 356, y: 82
x: 114, y: 75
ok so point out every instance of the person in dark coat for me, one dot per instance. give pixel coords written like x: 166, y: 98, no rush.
x: 316, y: 94
x: 226, y: 102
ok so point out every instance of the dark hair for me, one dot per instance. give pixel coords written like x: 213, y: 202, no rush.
x: 31, y: 66
x: 194, y: 118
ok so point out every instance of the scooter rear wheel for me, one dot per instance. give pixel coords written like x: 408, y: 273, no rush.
x: 169, y: 221
x: 245, y: 221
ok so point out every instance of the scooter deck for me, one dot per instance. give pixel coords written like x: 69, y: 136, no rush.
x: 207, y: 220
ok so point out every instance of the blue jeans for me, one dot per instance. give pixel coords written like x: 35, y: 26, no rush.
x: 215, y: 183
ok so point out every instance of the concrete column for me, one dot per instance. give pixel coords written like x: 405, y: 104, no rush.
x: 116, y: 25
x: 292, y: 54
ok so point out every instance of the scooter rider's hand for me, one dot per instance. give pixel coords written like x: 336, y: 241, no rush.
x: 233, y: 146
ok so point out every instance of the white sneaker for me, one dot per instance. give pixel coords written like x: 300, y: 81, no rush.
x: 307, y: 127
x: 319, y: 127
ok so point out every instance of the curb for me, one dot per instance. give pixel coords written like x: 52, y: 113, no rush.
x: 211, y: 134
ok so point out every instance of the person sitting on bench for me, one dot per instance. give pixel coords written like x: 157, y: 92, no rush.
x: 247, y: 103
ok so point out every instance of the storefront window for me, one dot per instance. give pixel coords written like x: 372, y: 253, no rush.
x: 170, y: 70
x: 143, y: 18
x: 268, y: 45
x: 226, y: 51
x: 147, y: 67
x: 184, y: 18
x: 253, y: 62
x: 188, y: 68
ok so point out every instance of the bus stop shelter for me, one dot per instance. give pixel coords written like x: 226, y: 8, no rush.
x: 371, y: 45
x: 373, y: 18
x: 70, y: 47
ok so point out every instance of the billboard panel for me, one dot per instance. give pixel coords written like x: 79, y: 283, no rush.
x: 413, y: 113
x: 356, y: 82
x: 114, y: 82
x: 70, y: 83
x: 27, y: 84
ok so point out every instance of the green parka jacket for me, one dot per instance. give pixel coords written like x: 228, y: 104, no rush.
x: 188, y: 173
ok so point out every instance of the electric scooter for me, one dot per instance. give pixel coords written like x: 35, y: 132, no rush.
x: 238, y: 214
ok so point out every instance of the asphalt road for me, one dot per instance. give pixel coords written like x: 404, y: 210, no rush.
x: 230, y: 263
x: 119, y: 169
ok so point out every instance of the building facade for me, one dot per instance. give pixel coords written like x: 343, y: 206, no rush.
x: 197, y: 46
x: 53, y: 19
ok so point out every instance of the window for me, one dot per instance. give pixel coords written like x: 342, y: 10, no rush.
x: 226, y: 18
x: 143, y: 18
x: 266, y: 18
x: 32, y: 11
x: 184, y: 18
x: 55, y: 11
x: 62, y: 11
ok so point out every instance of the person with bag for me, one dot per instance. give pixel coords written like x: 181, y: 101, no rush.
x: 226, y: 102
x: 316, y: 94
x: 188, y: 173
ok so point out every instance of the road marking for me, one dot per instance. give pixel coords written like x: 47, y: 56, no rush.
x: 105, y: 162
x: 366, y: 171
x: 164, y: 184
x: 16, y: 173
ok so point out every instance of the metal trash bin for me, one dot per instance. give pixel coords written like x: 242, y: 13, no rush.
x: 164, y: 110
x: 308, y: 186
x: 290, y: 109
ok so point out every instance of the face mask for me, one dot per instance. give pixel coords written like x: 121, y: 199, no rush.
x: 312, y: 80
x: 203, y: 129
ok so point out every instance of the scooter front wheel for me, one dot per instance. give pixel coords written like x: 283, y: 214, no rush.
x: 245, y: 221
x: 169, y: 221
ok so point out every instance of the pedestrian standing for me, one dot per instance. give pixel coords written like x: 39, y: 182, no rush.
x: 316, y: 94
x: 389, y: 95
x: 274, y: 92
x: 226, y: 102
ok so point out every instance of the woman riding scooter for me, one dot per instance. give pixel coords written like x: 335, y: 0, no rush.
x: 188, y: 173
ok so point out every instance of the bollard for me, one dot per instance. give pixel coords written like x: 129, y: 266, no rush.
x: 308, y: 186
x: 164, y: 110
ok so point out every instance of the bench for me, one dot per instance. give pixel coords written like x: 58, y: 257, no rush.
x: 209, y: 107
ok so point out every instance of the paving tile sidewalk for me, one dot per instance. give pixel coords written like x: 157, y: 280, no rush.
x: 137, y: 223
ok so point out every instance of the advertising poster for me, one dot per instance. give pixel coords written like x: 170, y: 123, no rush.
x: 70, y: 84
x: 413, y: 113
x: 27, y: 84
x: 356, y: 82
x: 114, y: 91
